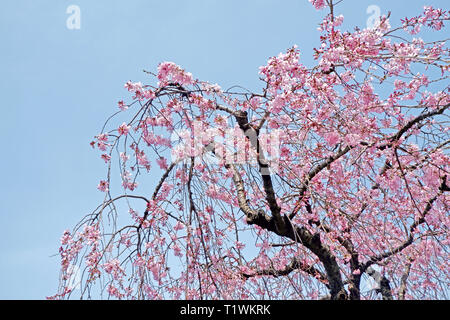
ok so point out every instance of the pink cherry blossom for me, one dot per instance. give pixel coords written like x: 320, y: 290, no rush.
x: 162, y: 162
x: 123, y: 129
x: 103, y: 186
x: 318, y: 4
x: 332, y: 138
x: 334, y: 172
x: 122, y: 105
x: 106, y: 157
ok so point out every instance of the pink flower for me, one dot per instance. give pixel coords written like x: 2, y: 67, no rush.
x: 318, y: 4
x: 178, y: 226
x: 352, y: 139
x: 103, y: 186
x: 65, y: 239
x: 132, y: 185
x: 124, y: 129
x: 162, y: 163
x: 254, y: 103
x: 124, y: 157
x: 106, y: 157
x: 170, y: 72
x: 125, y: 239
x: 113, y: 267
x: 113, y: 291
x: 102, y: 140
x: 102, y: 137
x: 142, y: 159
x: 128, y: 86
x: 177, y: 250
x: 127, y: 181
x: 92, y: 234
x: 122, y: 105
x: 277, y: 104
x: 149, y: 94
x: 332, y: 138
x: 239, y: 245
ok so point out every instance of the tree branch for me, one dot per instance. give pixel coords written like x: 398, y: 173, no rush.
x: 383, y: 283
x: 312, y: 174
x: 408, y: 242
x: 402, y: 289
x: 295, y: 264
x: 411, y: 123
x: 295, y: 233
x: 252, y: 135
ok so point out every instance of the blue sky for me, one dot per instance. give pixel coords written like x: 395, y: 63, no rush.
x: 58, y: 86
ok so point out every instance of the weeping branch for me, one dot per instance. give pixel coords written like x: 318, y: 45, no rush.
x: 407, y: 242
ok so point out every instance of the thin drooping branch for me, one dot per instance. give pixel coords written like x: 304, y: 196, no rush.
x: 158, y: 187
x: 163, y: 178
x: 193, y: 209
x: 155, y: 194
x: 407, y: 242
x: 311, y: 175
x: 346, y: 243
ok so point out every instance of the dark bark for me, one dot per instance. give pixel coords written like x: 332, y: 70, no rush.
x: 383, y: 283
x: 282, y: 225
x: 294, y: 265
x: 385, y: 289
x: 402, y: 289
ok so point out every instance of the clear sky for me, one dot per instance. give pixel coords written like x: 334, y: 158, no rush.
x: 59, y: 85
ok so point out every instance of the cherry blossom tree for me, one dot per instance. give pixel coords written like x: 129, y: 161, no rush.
x: 328, y: 179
